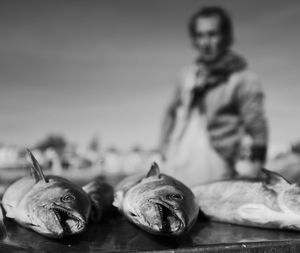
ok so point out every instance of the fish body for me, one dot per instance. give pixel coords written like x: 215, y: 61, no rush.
x: 51, y: 205
x: 157, y: 203
x: 101, y: 195
x: 269, y: 201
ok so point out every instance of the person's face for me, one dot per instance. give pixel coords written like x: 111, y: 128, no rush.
x: 208, y: 39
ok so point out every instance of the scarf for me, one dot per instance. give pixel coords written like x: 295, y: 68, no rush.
x: 211, y: 75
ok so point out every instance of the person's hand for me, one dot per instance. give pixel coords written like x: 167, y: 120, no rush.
x: 247, y: 168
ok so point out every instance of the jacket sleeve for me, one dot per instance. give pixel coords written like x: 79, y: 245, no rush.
x: 168, y: 122
x: 252, y: 112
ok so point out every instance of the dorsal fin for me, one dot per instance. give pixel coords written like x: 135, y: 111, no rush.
x: 36, y: 169
x: 154, y: 171
x: 271, y: 178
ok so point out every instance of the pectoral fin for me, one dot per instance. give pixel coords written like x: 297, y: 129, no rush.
x: 254, y: 213
x: 29, y: 224
x: 10, y: 215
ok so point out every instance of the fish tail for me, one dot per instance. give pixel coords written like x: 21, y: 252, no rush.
x: 3, y: 231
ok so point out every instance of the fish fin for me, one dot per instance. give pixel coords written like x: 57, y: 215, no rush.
x: 154, y: 171
x: 271, y: 178
x: 118, y: 199
x: 8, y: 209
x: 29, y: 224
x: 10, y: 214
x: 36, y: 170
x: 257, y: 213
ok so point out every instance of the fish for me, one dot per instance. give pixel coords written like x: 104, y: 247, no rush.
x: 6, y: 243
x: 101, y: 195
x: 51, y: 205
x: 157, y: 203
x: 268, y: 201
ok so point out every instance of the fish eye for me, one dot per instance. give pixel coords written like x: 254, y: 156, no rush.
x: 68, y: 198
x: 175, y: 196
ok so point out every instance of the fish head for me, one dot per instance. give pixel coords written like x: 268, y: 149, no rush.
x: 55, y: 206
x: 59, y: 209
x: 160, y: 204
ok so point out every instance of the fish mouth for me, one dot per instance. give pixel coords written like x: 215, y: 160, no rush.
x: 171, y: 222
x: 71, y: 222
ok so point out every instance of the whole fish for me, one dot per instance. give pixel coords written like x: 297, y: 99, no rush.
x: 269, y: 201
x: 157, y: 203
x: 52, y: 205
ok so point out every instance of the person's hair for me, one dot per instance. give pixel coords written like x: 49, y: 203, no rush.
x: 226, y: 26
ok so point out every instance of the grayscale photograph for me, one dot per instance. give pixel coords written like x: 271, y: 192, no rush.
x: 149, y: 126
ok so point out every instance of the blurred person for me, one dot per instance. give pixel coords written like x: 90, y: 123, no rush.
x: 217, y: 103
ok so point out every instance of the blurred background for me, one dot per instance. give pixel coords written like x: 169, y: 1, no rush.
x: 84, y: 80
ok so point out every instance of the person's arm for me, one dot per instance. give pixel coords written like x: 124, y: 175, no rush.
x: 252, y: 112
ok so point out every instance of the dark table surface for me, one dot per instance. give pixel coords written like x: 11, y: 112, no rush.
x: 115, y: 234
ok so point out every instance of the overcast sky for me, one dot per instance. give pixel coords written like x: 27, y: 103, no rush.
x: 108, y: 68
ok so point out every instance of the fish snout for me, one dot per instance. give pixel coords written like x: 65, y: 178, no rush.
x: 170, y: 221
x: 70, y: 221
